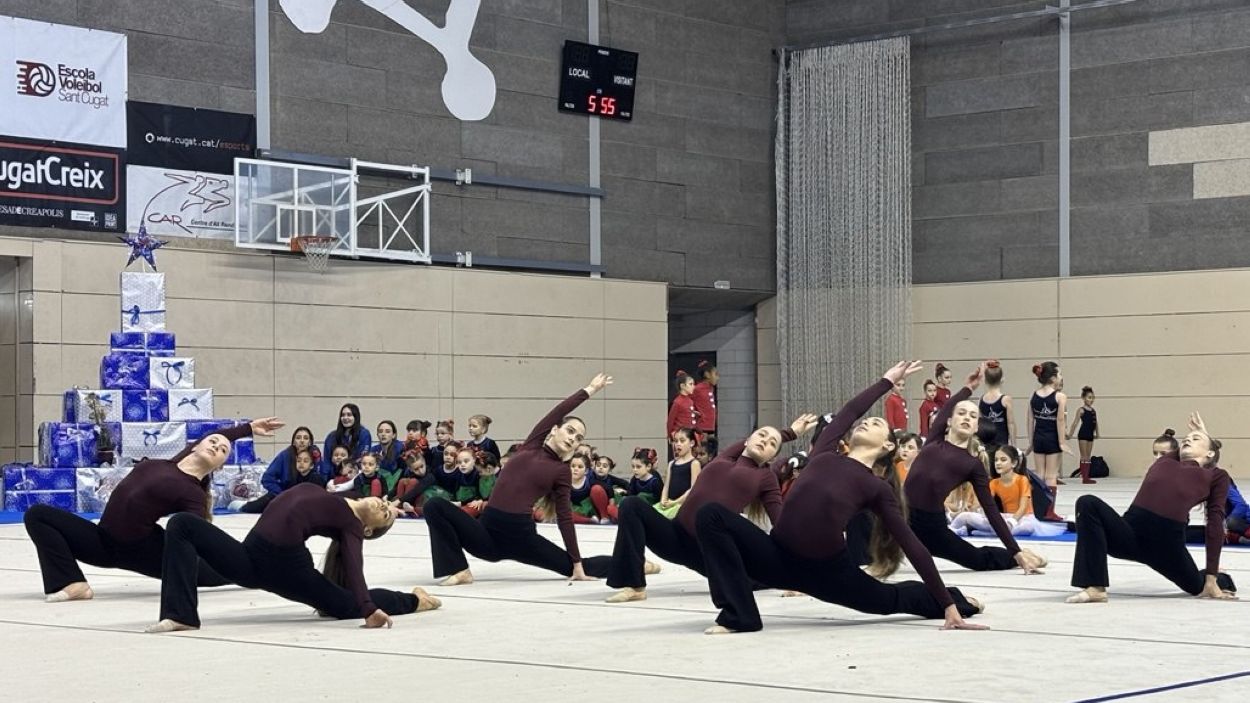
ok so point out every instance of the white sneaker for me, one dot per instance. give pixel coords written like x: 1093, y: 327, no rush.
x: 236, y: 505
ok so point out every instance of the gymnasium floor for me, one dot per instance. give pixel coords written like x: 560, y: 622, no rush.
x: 520, y: 635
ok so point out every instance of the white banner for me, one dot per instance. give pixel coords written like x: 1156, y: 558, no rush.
x: 62, y: 83
x: 173, y: 203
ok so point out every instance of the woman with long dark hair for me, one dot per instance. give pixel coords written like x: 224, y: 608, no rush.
x: 127, y: 536
x: 806, y: 551
x: 274, y: 558
x: 349, y: 433
x: 282, y: 474
x: 539, y: 470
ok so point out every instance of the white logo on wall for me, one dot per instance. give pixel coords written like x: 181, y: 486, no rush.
x: 173, y: 203
x: 468, y: 87
x: 62, y: 83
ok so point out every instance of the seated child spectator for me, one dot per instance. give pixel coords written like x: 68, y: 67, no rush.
x: 443, y: 436
x: 388, y: 448
x: 908, y: 449
x: 415, y: 483
x: 479, y: 425
x: 683, y: 471
x: 1012, y: 491
x: 369, y: 482
x: 345, y: 480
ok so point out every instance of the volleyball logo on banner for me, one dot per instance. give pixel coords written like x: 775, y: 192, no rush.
x: 65, y: 84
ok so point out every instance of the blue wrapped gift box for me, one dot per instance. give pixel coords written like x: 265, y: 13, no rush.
x: 21, y: 501
x: 243, y: 452
x: 24, y: 477
x: 148, y: 343
x: 67, y: 444
x: 150, y: 405
x: 125, y: 371
x: 199, y: 429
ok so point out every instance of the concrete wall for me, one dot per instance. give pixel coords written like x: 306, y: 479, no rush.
x: 689, y: 181
x: 731, y: 336
x: 1153, y: 346
x: 403, y: 342
x: 1149, y: 191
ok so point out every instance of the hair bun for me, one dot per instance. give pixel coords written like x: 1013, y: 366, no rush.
x: 680, y: 373
x: 940, y: 369
x: 1169, y: 432
x: 1037, y: 369
x: 991, y: 364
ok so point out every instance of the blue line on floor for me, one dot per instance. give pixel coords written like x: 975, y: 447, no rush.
x: 1161, y: 689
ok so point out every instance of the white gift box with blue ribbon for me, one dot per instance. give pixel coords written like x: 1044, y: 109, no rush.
x: 125, y: 371
x: 171, y: 372
x: 150, y: 343
x: 191, y: 404
x: 153, y: 440
x: 78, y: 405
x: 149, y: 405
x: 143, y: 302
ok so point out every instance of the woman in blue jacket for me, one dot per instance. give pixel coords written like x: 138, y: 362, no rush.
x: 349, y: 433
x: 281, y: 473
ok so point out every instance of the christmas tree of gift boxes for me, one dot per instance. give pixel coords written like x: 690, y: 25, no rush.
x: 146, y: 407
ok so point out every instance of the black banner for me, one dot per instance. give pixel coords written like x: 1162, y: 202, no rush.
x: 187, y: 138
x: 62, y: 185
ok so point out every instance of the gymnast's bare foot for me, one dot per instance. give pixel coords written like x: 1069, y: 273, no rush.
x: 1089, y: 595
x: 75, y: 591
x: 425, y: 601
x: 168, y: 625
x: 627, y: 595
x: 462, y: 578
x: 719, y: 630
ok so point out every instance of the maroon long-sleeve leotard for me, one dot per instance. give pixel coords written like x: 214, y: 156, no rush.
x: 1172, y: 487
x: 733, y: 480
x: 155, y: 488
x: 308, y: 509
x: 833, y: 488
x: 535, y: 471
x: 941, y: 467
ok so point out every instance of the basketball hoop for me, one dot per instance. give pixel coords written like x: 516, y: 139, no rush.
x: 316, y: 251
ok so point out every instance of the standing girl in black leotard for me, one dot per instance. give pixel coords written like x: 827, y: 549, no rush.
x: 1047, y: 414
x: 996, y: 406
x: 1087, y: 417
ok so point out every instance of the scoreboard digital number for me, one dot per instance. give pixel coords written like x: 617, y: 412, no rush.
x: 596, y: 80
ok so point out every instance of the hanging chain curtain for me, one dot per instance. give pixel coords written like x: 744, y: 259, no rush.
x: 843, y: 220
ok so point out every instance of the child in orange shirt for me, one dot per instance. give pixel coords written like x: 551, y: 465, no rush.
x: 1010, y: 488
x: 908, y: 448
